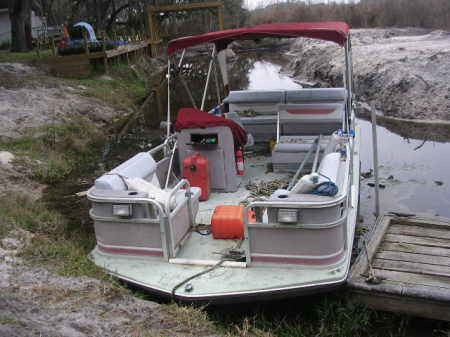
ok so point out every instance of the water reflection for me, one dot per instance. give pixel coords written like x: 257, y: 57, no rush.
x: 414, y: 170
x: 414, y: 158
x: 266, y: 75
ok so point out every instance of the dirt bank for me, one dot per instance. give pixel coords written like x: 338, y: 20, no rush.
x: 31, y: 98
x: 34, y: 301
x: 402, y: 72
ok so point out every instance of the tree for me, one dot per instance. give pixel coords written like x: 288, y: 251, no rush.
x: 20, y: 17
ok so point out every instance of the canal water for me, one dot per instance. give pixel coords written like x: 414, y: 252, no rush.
x: 414, y: 158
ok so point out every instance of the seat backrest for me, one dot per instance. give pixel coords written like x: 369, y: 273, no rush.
x: 311, y: 112
x: 141, y: 166
x: 309, y: 119
x: 255, y: 96
x: 316, y: 95
x: 257, y: 102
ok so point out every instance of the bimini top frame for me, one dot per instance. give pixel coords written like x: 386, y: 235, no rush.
x: 338, y: 32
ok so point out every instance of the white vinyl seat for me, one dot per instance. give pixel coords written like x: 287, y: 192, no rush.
x: 143, y: 166
x: 293, y: 119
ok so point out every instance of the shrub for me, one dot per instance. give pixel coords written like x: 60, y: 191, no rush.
x: 434, y: 14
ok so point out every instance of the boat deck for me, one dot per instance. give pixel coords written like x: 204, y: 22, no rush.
x: 410, y: 258
x: 257, y: 171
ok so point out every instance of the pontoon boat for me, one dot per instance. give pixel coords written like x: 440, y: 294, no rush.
x: 204, y: 216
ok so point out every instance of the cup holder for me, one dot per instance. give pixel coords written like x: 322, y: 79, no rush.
x: 283, y: 196
x: 132, y: 193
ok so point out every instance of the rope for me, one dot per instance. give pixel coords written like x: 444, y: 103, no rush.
x: 124, y: 178
x: 231, y: 256
x: 327, y: 188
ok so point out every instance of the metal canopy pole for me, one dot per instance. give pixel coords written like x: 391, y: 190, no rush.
x: 213, y: 55
x: 347, y: 81
x: 168, y: 98
x: 222, y: 58
x: 216, y: 80
x: 183, y: 80
x: 181, y: 58
x: 316, y: 156
x: 375, y: 161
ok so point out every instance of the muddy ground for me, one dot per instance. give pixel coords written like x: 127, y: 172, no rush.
x: 402, y: 72
x: 31, y: 98
x: 34, y: 299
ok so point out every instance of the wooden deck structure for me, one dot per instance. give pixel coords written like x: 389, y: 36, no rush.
x: 81, y: 65
x: 405, y: 267
x: 155, y: 27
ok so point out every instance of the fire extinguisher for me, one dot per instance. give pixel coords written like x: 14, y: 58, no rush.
x: 240, y: 162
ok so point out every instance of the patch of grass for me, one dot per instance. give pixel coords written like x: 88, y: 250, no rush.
x: 6, y: 320
x: 55, y: 151
x: 124, y: 91
x: 18, y: 210
x: 53, y: 242
x: 68, y: 254
x: 330, y: 316
x: 191, y: 317
x: 31, y: 56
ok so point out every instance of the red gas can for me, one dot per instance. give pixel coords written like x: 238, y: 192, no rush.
x: 196, y: 171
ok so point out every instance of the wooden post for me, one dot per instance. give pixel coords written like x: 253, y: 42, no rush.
x: 105, y: 57
x: 38, y: 51
x: 54, y: 50
x: 86, y: 43
x: 221, y: 15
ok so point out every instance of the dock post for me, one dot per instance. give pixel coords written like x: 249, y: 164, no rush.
x: 375, y: 161
x: 105, y: 57
x: 54, y: 49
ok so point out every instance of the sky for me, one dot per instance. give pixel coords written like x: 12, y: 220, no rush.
x: 252, y: 4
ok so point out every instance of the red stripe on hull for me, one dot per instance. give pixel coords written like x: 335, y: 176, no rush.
x: 297, y: 260
x: 128, y: 251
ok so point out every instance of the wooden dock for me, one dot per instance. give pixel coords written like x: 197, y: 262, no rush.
x: 405, y: 267
x: 81, y: 65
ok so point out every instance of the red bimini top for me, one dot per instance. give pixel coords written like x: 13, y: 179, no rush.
x: 330, y: 31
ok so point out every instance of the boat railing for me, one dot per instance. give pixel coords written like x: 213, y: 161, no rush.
x: 328, y: 230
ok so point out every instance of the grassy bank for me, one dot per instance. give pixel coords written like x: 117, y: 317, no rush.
x: 123, y: 90
x: 31, y: 56
x: 52, y: 155
x: 53, y: 152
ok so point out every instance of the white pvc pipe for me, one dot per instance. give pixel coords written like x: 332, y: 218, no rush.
x: 232, y: 264
x: 208, y: 77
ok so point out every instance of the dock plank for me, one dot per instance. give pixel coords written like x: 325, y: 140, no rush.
x: 423, y: 231
x: 413, y: 267
x: 404, y: 277
x: 404, y: 304
x: 412, y: 248
x: 431, y: 242
x: 439, y: 222
x: 411, y: 257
